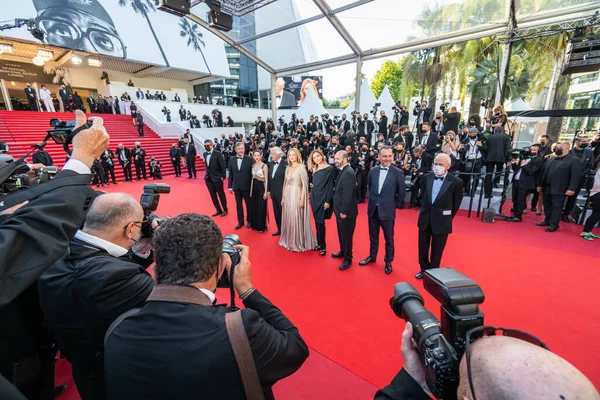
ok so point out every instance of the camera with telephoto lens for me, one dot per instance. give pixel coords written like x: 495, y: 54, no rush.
x: 149, y: 202
x: 63, y: 130
x: 229, y: 241
x: 444, y: 106
x: 375, y: 108
x: 521, y: 154
x: 20, y: 179
x: 441, y: 344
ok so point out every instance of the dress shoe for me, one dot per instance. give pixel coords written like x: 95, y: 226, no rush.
x: 224, y: 213
x: 552, y: 228
x: 217, y: 213
x: 238, y: 226
x: 388, y: 268
x: 367, y: 260
x: 58, y: 390
x: 514, y: 219
x: 276, y: 233
x: 565, y: 218
x: 337, y: 255
x: 543, y: 223
x: 533, y: 209
x: 248, y: 226
x: 322, y: 252
x: 345, y: 265
x: 419, y: 275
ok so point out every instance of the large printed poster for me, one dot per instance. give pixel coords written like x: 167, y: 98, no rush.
x: 293, y: 89
x: 131, y: 29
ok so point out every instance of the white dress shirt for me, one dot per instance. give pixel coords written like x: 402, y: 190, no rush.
x: 275, y: 166
x: 437, y: 186
x: 208, y: 158
x: 211, y: 296
x: 77, y: 166
x: 382, y: 175
x: 239, y: 163
x: 111, y: 248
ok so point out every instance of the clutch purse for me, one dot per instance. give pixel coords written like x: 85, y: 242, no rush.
x: 329, y: 213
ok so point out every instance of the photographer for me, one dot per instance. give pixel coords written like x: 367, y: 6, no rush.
x: 400, y: 116
x: 154, y: 166
x: 167, y: 113
x: 496, y: 149
x: 383, y: 124
x: 451, y: 120
x: 526, y: 171
x: 189, y: 262
x: 421, y: 164
x: 344, y: 125
x: 585, y: 155
x: 499, y: 118
x: 423, y: 114
x: 501, y: 367
x: 96, y: 281
x: 472, y: 159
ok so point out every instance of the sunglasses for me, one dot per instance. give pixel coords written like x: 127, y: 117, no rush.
x: 486, y: 330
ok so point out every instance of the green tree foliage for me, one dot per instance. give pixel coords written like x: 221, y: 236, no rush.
x: 390, y: 74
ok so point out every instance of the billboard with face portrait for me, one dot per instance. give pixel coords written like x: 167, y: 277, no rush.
x: 129, y: 29
x: 292, y: 90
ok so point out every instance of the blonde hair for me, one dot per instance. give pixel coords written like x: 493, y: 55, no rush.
x: 500, y: 108
x: 307, y: 81
x: 298, y: 156
x: 311, y: 164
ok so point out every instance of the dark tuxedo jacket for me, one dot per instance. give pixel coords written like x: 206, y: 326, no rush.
x: 433, y: 143
x: 426, y: 163
x: 275, y: 184
x: 439, y: 214
x: 189, y: 153
x: 287, y: 100
x: 193, y: 337
x: 29, y: 92
x: 240, y: 179
x: 108, y: 160
x: 451, y: 121
x: 175, y: 154
x: 404, y: 387
x: 383, y: 122
x: 216, y: 170
x: 127, y: 154
x: 139, y: 155
x: 496, y: 148
x: 64, y: 95
x: 344, y: 195
x: 176, y: 98
x: 345, y: 126
x: 139, y: 94
x: 409, y: 139
x: 42, y: 157
x: 566, y: 176
x: 529, y: 174
x: 311, y: 128
x: 392, y: 192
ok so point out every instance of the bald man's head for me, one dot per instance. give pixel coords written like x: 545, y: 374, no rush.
x: 507, y: 368
x: 111, y: 212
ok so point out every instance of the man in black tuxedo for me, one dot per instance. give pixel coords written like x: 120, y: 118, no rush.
x: 42, y: 157
x: 240, y: 178
x: 229, y: 122
x: 175, y: 156
x: 312, y: 127
x: 386, y: 193
x: 558, y: 180
x: 585, y: 155
x: 345, y: 207
x: 91, y: 103
x: 64, y: 96
x: 422, y: 163
x: 189, y: 262
x: 188, y: 135
x: 496, y: 149
x: 442, y: 195
x: 176, y: 98
x: 139, y: 94
x: 275, y: 184
x: 429, y: 140
x: 140, y: 123
x: 344, y: 125
x: 216, y: 172
x: 423, y: 115
x: 108, y: 165
x: 366, y: 128
x: 260, y: 126
x: 182, y: 113
x: 383, y: 124
x: 189, y: 152
x: 283, y: 98
x: 31, y: 97
x: 124, y: 156
x: 139, y: 159
x: 525, y: 177
x: 363, y: 158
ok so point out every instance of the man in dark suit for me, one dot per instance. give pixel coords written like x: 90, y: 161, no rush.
x: 240, y: 178
x: 344, y: 125
x: 182, y: 113
x: 139, y: 94
x: 176, y: 98
x: 91, y: 102
x: 429, y: 140
x: 64, y: 96
x: 525, y: 178
x: 260, y: 126
x: 216, y: 172
x: 124, y: 156
x: 496, y: 149
x: 189, y: 262
x: 386, y: 193
x: 383, y: 124
x: 585, y: 155
x: 31, y: 97
x: 175, y: 156
x: 423, y: 115
x: 558, y: 180
x: 139, y: 160
x: 451, y: 120
x: 189, y: 152
x: 140, y: 123
x: 442, y: 195
x: 108, y: 165
x: 275, y: 184
x: 345, y: 207
x: 282, y: 98
x: 422, y: 163
x: 42, y: 157
x: 94, y: 283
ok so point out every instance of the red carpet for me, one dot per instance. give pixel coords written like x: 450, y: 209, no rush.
x: 540, y: 282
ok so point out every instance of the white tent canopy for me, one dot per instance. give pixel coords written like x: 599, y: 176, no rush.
x: 312, y: 105
x: 367, y: 100
x: 387, y: 102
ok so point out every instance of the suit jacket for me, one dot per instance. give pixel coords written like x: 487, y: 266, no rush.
x: 439, y: 214
x: 529, y: 174
x: 64, y: 95
x: 127, y: 154
x: 139, y: 95
x: 29, y: 92
x: 345, y: 126
x: 42, y: 157
x: 189, y: 153
x: 496, y: 148
x: 392, y: 192
x: 344, y: 195
x: 404, y: 387
x: 426, y: 163
x: 275, y: 183
x: 451, y: 121
x: 566, y: 177
x: 433, y: 143
x: 205, y: 363
x: 139, y: 154
x: 383, y: 122
x: 216, y: 170
x: 287, y: 100
x: 175, y: 154
x: 240, y: 179
x: 91, y: 102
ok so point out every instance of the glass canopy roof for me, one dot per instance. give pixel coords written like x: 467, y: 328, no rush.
x: 293, y: 36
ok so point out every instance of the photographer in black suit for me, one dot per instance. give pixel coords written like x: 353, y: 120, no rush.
x: 108, y: 165
x: 275, y: 184
x: 383, y: 124
x: 496, y: 149
x: 240, y: 178
x: 442, y: 195
x: 386, y: 192
x: 189, y: 152
x: 36, y: 226
x: 175, y: 157
x: 525, y: 178
x: 124, y: 156
x: 558, y: 180
x: 421, y: 163
x: 189, y: 262
x: 101, y: 276
x: 214, y: 177
x: 585, y: 155
x: 42, y: 157
x: 423, y: 114
x: 429, y: 141
x: 345, y: 207
x: 344, y: 125
x: 139, y: 159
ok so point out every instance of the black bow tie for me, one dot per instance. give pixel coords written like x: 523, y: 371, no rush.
x: 384, y: 169
x: 438, y: 178
x: 278, y: 97
x: 277, y: 163
x: 239, y: 158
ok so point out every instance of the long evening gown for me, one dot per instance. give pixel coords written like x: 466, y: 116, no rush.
x: 258, y: 205
x: 321, y: 193
x: 296, y: 229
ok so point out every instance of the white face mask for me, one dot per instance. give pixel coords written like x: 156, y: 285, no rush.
x: 438, y: 170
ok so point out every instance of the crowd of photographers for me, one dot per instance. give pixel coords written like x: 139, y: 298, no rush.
x: 77, y: 282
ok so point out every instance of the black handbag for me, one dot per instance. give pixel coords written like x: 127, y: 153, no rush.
x: 329, y: 212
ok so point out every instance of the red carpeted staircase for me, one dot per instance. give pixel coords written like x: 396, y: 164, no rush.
x: 21, y: 129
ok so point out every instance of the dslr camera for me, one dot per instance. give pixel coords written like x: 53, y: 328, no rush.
x: 441, y: 344
x: 375, y: 108
x: 444, y: 106
x: 149, y: 202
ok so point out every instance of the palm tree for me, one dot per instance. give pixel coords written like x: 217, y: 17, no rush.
x: 144, y: 7
x: 192, y: 32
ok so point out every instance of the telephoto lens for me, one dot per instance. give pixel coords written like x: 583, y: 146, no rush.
x: 229, y: 241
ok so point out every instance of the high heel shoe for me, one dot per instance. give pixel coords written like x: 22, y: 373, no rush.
x: 323, y: 252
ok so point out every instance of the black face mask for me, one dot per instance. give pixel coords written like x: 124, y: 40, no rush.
x: 207, y: 148
x: 583, y: 145
x: 137, y: 146
x: 558, y: 151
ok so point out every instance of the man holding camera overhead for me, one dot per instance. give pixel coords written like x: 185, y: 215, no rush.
x: 188, y: 345
x: 101, y: 276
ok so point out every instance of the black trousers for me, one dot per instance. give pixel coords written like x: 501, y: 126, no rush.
x: 595, y: 216
x: 345, y: 229
x: 32, y: 103
x: 177, y: 166
x: 141, y: 130
x: 276, y: 202
x: 38, y: 385
x: 387, y: 226
x: 468, y: 179
x: 240, y: 198
x: 126, y: 170
x: 109, y: 169
x: 191, y: 167
x: 362, y: 177
x: 321, y: 235
x: 431, y: 248
x: 89, y: 379
x: 520, y: 200
x: 491, y: 167
x: 553, y: 207
x: 415, y: 191
x: 216, y: 188
x: 140, y: 168
x: 572, y: 200
x: 534, y: 199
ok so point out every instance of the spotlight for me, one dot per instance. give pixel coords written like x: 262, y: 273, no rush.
x: 47, y: 55
x: 38, y: 34
x: 39, y: 61
x: 94, y: 62
x: 6, y: 48
x: 76, y: 60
